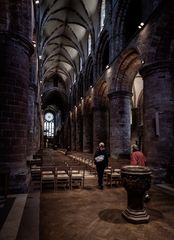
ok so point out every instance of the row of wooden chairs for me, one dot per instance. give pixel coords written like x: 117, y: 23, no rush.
x: 63, y: 173
x: 112, y: 175
x: 87, y: 162
x: 59, y: 176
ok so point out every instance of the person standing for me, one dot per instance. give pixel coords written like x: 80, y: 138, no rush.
x: 138, y: 158
x: 101, y: 161
x: 67, y: 150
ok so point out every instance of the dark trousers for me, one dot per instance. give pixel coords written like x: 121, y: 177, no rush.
x: 100, y: 167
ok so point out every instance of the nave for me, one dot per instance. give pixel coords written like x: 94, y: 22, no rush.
x: 86, y: 212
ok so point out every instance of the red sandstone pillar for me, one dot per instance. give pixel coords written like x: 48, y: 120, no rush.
x: 120, y: 130
x: 15, y: 49
x: 158, y: 121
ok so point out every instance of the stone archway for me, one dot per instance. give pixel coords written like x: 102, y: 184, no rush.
x: 158, y: 74
x: 120, y: 99
x: 137, y: 112
x: 87, y: 125
x: 101, y: 115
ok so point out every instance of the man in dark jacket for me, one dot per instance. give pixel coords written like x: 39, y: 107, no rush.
x: 101, y: 162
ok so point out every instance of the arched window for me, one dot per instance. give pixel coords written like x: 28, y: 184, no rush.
x: 49, y: 124
x: 103, y: 52
x: 89, y: 44
x: 102, y: 14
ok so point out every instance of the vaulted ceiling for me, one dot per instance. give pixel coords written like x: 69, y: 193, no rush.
x: 64, y: 27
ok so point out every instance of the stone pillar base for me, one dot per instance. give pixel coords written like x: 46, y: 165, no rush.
x: 19, y: 179
x: 134, y: 216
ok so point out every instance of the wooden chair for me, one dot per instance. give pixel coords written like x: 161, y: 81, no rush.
x: 47, y: 177
x: 107, y: 174
x: 62, y: 179
x: 35, y: 172
x: 77, y: 176
x: 114, y: 177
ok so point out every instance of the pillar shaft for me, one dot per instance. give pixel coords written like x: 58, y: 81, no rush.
x: 120, y: 131
x: 158, y: 115
x: 87, y: 131
x: 73, y: 131
x: 79, y: 130
x: 15, y: 48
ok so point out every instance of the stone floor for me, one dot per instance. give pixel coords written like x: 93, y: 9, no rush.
x: 88, y: 214
x: 92, y: 214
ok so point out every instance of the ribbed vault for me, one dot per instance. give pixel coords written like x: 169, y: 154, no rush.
x: 64, y: 27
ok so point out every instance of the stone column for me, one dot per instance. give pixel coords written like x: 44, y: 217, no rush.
x: 31, y: 120
x: 79, y: 130
x: 73, y: 131
x: 100, y: 126
x: 35, y: 136
x: 87, y: 131
x: 15, y: 49
x: 159, y: 117
x: 120, y: 130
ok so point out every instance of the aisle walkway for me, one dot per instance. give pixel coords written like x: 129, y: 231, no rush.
x: 91, y: 214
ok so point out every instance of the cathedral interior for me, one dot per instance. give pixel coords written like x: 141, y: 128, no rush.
x: 79, y: 72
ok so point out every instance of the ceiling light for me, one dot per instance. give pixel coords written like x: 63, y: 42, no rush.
x: 141, y: 25
x: 37, y: 2
x: 34, y: 43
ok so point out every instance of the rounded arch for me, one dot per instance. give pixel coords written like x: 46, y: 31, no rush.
x: 56, y: 98
x: 126, y: 20
x: 55, y: 80
x: 89, y: 74
x: 140, y: 108
x: 100, y: 99
x: 160, y: 38
x: 101, y: 113
x: 125, y: 70
x: 102, y: 94
x: 80, y: 86
x: 102, y: 55
x: 88, y: 125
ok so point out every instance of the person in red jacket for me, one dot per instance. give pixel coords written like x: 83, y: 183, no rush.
x: 138, y: 158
